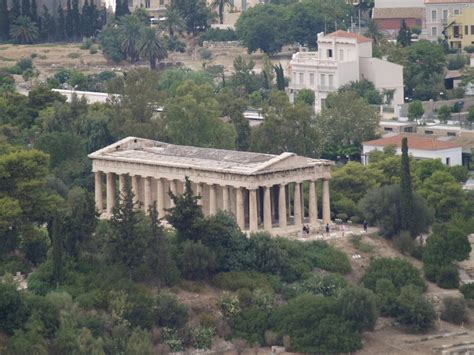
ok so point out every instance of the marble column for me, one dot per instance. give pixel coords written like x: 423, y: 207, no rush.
x: 98, y: 191
x: 253, y: 211
x: 160, y: 198
x: 212, y: 199
x: 239, y: 202
x: 110, y: 193
x: 282, y: 206
x: 297, y: 204
x: 147, y: 197
x: 199, y: 193
x: 135, y: 190
x: 313, y: 205
x: 225, y: 198
x: 173, y: 190
x: 267, y: 209
x: 326, y: 202
x: 122, y: 178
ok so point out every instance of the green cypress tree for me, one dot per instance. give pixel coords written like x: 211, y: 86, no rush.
x: 118, y: 9
x: 404, y: 35
x: 25, y: 8
x: 57, y: 245
x: 61, y: 23
x: 15, y: 11
x: 76, y: 19
x: 406, y: 191
x: 69, y: 23
x: 48, y: 28
x: 125, y: 9
x: 4, y: 21
x: 34, y: 11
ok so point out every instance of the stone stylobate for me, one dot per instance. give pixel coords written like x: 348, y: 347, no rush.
x: 263, y: 191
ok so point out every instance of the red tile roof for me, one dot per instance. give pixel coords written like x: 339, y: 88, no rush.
x: 344, y: 34
x: 419, y: 143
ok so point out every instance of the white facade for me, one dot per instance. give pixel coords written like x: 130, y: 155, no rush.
x: 438, y: 13
x: 449, y: 157
x: 342, y: 57
x: 90, y: 96
x: 389, y: 4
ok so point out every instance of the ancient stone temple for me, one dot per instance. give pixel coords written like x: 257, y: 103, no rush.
x: 276, y: 193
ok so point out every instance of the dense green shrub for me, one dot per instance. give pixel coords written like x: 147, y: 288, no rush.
x: 399, y: 272
x: 229, y: 304
x: 326, y: 257
x: 141, y: 311
x: 196, y: 261
x: 45, y: 311
x: 205, y: 53
x: 454, y: 310
x: 13, y: 264
x: 328, y: 285
x: 35, y: 244
x: 469, y: 49
x: 414, y: 312
x: 170, y: 313
x: 313, y: 326
x: 386, y: 297
x: 404, y: 243
x: 13, y: 311
x: 468, y: 291
x: 448, y: 276
x: 358, y: 305
x: 202, y: 337
x: 251, y: 324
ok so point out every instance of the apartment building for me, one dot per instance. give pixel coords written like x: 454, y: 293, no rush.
x: 459, y: 31
x: 438, y: 14
x: 342, y: 57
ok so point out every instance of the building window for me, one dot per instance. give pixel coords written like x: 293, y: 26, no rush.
x: 388, y: 129
x: 294, y: 77
x: 331, y: 81
x: 301, y: 78
x: 408, y: 129
x: 433, y: 15
x: 447, y: 161
x: 451, y: 134
x: 329, y: 53
x: 162, y: 2
x: 341, y: 54
x: 311, y: 78
x: 445, y: 15
x: 456, y: 11
x: 323, y: 80
x: 428, y: 132
x: 472, y: 30
x: 434, y: 31
x: 466, y: 30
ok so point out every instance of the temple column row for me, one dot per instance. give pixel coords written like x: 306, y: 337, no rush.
x: 229, y: 195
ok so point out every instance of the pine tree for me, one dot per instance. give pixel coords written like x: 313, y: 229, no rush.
x: 25, y: 8
x: 4, y: 21
x: 15, y: 11
x: 61, y: 23
x: 57, y: 245
x: 34, y: 11
x: 127, y: 245
x: 404, y: 35
x: 406, y: 192
x: 76, y: 19
x: 69, y: 23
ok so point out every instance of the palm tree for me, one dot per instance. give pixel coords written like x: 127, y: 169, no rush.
x: 173, y: 22
x: 221, y: 4
x: 129, y: 31
x: 24, y: 30
x: 151, y: 47
x: 373, y: 31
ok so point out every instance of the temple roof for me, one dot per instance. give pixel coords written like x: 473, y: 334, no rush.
x: 149, y: 152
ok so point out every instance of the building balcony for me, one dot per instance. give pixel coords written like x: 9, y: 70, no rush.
x: 329, y: 88
x: 312, y: 58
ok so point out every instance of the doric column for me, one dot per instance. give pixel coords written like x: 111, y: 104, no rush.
x: 147, y: 197
x: 253, y: 218
x: 98, y: 191
x: 160, y: 198
x: 267, y: 209
x: 212, y: 199
x: 135, y: 190
x: 313, y: 205
x: 326, y: 202
x: 110, y: 192
x: 122, y: 178
x: 173, y: 190
x: 297, y: 204
x: 199, y: 193
x: 282, y: 206
x: 225, y: 198
x: 239, y: 213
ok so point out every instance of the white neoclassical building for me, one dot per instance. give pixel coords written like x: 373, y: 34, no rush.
x: 263, y: 191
